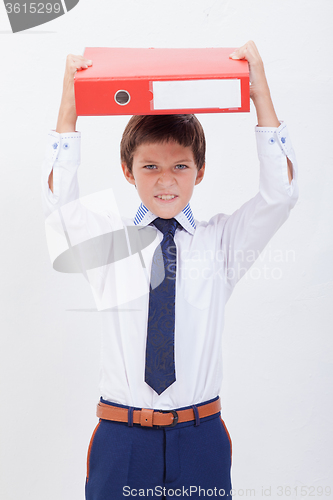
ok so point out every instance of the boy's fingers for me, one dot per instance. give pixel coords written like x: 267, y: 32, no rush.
x: 76, y: 63
x: 73, y: 57
x: 248, y: 51
x: 240, y: 53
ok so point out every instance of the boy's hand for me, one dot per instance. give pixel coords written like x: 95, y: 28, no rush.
x: 258, y: 80
x: 67, y: 112
x: 259, y: 90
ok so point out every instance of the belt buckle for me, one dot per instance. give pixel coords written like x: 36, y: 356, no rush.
x: 175, y: 418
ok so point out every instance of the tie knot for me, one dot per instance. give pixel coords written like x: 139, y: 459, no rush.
x: 166, y: 225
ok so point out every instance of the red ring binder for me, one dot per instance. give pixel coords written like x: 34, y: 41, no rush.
x: 137, y: 81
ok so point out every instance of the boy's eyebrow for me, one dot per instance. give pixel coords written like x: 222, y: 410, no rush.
x: 152, y: 162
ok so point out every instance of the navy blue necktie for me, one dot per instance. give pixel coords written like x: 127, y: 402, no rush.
x: 160, y: 359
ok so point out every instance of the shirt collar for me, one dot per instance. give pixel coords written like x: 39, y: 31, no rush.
x: 185, y: 218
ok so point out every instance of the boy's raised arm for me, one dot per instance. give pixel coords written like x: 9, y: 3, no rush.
x: 67, y: 113
x: 246, y: 232
x: 259, y: 91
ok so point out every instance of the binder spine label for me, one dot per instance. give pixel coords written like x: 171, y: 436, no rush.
x: 197, y: 94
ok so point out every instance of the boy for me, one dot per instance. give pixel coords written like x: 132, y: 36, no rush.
x: 160, y: 432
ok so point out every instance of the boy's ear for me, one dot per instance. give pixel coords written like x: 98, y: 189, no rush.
x: 200, y: 174
x: 128, y: 175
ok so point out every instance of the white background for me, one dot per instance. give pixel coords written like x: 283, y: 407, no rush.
x: 277, y: 349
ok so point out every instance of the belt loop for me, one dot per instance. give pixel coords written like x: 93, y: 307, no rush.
x: 196, y: 414
x: 130, y: 416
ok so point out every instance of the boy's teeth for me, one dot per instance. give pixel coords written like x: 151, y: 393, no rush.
x: 166, y: 196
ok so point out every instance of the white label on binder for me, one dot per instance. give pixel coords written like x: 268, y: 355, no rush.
x: 196, y: 94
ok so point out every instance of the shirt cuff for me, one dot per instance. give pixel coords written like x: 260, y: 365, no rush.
x: 63, y: 147
x: 271, y: 140
x: 62, y: 155
x: 274, y: 147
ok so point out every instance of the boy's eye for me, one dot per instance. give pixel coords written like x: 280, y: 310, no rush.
x: 153, y: 167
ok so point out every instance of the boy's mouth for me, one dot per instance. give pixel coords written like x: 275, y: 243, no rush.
x: 166, y: 196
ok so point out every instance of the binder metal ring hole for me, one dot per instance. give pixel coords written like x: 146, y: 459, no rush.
x: 122, y: 97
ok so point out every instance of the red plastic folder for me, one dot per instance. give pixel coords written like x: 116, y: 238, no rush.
x: 124, y: 81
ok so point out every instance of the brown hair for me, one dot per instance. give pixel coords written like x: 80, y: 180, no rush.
x: 186, y: 130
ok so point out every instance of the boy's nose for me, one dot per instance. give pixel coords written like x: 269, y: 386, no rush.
x: 166, y: 179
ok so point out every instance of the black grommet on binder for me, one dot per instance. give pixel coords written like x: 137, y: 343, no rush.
x: 122, y: 97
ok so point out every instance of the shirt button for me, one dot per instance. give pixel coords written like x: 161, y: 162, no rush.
x: 66, y: 145
x: 271, y: 140
x: 55, y: 145
x: 283, y: 140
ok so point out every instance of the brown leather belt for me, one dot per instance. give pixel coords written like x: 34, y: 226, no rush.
x: 148, y: 418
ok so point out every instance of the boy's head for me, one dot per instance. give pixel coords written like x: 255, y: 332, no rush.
x: 164, y: 157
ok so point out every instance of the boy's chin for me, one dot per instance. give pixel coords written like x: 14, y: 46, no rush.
x: 165, y: 214
x: 168, y: 211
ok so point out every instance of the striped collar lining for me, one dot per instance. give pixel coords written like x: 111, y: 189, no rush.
x: 144, y: 217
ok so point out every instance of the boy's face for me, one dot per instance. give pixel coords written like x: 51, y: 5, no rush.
x: 165, y: 175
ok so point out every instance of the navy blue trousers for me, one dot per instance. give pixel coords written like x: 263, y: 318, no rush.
x: 185, y: 461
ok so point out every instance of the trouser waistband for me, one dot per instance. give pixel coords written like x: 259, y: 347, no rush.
x: 147, y: 417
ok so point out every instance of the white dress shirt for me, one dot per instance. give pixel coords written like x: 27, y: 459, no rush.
x: 211, y: 257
